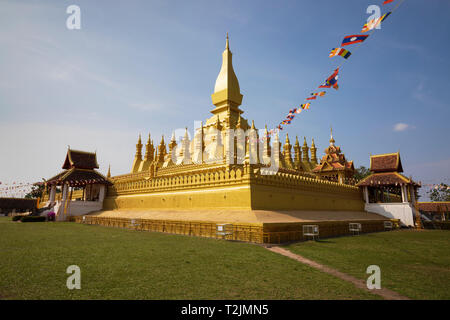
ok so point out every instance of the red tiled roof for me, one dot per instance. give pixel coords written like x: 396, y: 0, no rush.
x: 385, y: 179
x: 441, y: 206
x: 386, y: 163
x: 80, y: 160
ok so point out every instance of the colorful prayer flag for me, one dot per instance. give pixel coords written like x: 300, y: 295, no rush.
x: 331, y: 81
x: 320, y: 94
x: 340, y: 52
x: 353, y: 39
x: 387, y: 1
x: 372, y: 24
x: 311, y: 98
x: 305, y: 106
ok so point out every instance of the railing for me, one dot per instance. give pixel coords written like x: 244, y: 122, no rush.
x: 238, y: 232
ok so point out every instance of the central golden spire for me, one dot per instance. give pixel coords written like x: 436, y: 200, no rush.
x: 226, y: 90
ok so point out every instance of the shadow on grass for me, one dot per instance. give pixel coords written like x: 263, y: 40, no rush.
x: 325, y: 241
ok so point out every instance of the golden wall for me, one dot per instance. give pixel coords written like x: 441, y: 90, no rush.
x: 230, y: 186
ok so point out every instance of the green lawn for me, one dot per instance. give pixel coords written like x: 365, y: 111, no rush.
x: 127, y: 264
x: 413, y: 263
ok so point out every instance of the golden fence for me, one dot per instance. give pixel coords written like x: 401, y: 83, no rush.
x: 256, y: 233
x: 240, y: 232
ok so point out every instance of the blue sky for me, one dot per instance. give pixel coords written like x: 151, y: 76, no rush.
x: 150, y: 66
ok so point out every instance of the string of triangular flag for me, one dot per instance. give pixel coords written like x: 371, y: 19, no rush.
x: 332, y: 80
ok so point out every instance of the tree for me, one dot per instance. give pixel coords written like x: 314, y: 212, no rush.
x: 440, y: 193
x: 361, y: 173
x: 36, y: 192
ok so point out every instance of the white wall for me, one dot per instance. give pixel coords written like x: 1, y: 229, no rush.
x: 402, y: 211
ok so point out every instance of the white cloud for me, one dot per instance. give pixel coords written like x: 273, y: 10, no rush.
x: 402, y: 126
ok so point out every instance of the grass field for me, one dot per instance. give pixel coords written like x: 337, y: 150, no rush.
x: 413, y: 263
x: 127, y: 264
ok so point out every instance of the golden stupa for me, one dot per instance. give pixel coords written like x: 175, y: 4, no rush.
x: 231, y: 173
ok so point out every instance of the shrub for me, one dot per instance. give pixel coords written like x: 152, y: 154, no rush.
x: 32, y: 219
x: 17, y: 218
x: 443, y: 225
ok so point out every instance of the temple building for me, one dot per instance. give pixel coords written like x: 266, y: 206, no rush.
x: 388, y: 192
x: 333, y: 165
x: 82, y: 188
x: 216, y: 160
x: 229, y: 172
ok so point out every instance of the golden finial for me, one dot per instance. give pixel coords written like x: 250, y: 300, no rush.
x: 287, y: 139
x: 253, y: 124
x: 331, y: 137
x: 139, y: 140
x: 296, y: 141
x: 218, y: 126
x: 228, y: 44
x: 304, y: 142
x: 162, y: 139
x: 238, y: 125
x: 108, y: 175
x: 312, y: 144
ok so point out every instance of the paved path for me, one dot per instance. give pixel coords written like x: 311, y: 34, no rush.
x: 361, y: 284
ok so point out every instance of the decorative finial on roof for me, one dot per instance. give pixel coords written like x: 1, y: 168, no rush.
x: 287, y: 139
x: 162, y: 139
x: 296, y: 141
x: 304, y: 142
x: 139, y: 140
x: 331, y: 136
x: 173, y: 137
x: 253, y: 124
x: 108, y: 175
x: 186, y: 135
x: 228, y: 44
x: 312, y: 144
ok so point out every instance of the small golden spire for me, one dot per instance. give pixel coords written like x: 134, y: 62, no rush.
x: 296, y: 141
x: 287, y: 139
x: 253, y: 124
x: 239, y: 125
x: 304, y: 142
x: 312, y: 144
x: 227, y: 46
x: 108, y: 175
x: 217, y: 125
x: 331, y: 137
